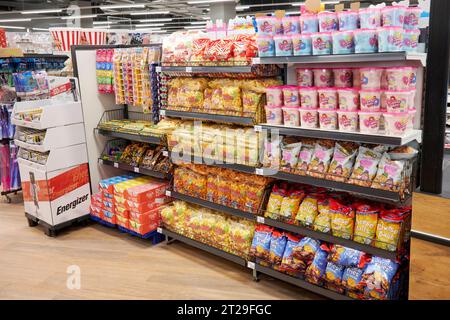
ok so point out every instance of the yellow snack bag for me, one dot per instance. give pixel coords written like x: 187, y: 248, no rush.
x: 322, y: 222
x: 274, y: 204
x: 389, y: 228
x: 307, y: 211
x: 342, y: 220
x: 231, y: 97
x: 365, y: 224
x: 291, y: 203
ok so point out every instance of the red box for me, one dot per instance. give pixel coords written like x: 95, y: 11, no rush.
x: 97, y: 200
x: 142, y: 228
x: 108, y: 216
x: 122, y: 211
x: 108, y: 196
x: 96, y: 211
x: 108, y: 205
x: 147, y: 217
x: 146, y: 192
x: 123, y: 222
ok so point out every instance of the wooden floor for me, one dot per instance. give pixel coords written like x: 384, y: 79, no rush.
x: 431, y: 214
x: 118, y: 266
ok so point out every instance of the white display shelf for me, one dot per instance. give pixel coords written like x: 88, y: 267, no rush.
x: 54, y: 113
x: 347, y: 58
x: 342, y: 135
x: 56, y: 138
x: 60, y: 158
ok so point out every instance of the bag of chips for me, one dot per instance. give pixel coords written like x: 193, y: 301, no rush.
x: 316, y: 269
x: 289, y: 155
x: 377, y: 278
x: 304, y: 158
x: 365, y: 168
x: 291, y: 203
x: 277, y: 245
x: 351, y: 279
x: 276, y: 198
x: 342, y: 163
x: 347, y: 257
x: 342, y: 220
x: 389, y: 175
x: 334, y: 273
x: 261, y: 242
x: 320, y: 159
x: 389, y: 228
x: 307, y: 212
x: 272, y: 153
x: 322, y: 222
x: 290, y: 264
x: 306, y: 251
x: 365, y: 223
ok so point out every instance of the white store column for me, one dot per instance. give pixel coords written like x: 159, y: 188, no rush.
x: 222, y: 10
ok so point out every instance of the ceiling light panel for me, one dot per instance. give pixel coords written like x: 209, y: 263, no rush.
x: 143, y: 13
x: 80, y: 17
x: 15, y: 20
x: 41, y: 11
x: 123, y: 6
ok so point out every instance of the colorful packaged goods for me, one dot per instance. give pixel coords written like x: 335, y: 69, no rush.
x: 277, y: 246
x: 351, y: 280
x: 316, y: 270
x: 346, y: 257
x: 261, y: 242
x: 377, y: 278
x: 104, y: 71
x: 342, y: 220
x: 290, y: 264
x: 307, y: 211
x: 365, y: 223
x: 389, y: 228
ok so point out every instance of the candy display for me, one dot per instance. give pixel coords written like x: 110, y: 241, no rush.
x: 33, y: 156
x: 139, y: 127
x: 216, y: 229
x: 104, y: 71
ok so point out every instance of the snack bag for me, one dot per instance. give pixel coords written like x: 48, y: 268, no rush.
x: 320, y: 160
x: 342, y: 220
x: 304, y: 158
x: 365, y: 168
x: 232, y: 99
x: 290, y: 264
x: 342, y: 163
x: 261, y: 242
x: 389, y: 175
x: 377, y: 278
x: 272, y: 153
x: 316, y: 269
x: 322, y: 222
x: 306, y: 251
x: 251, y: 100
x: 291, y: 203
x: 389, y: 228
x: 275, y: 200
x: 289, y: 155
x: 277, y: 245
x: 307, y: 212
x: 351, y: 279
x: 346, y: 257
x: 365, y: 223
x: 334, y: 273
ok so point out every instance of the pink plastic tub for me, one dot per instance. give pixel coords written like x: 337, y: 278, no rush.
x: 393, y: 16
x: 305, y: 77
x: 291, y: 25
x: 274, y: 115
x: 396, y: 123
x: 308, y: 97
x: 397, y: 101
x: 309, y: 118
x: 370, y: 77
x: 328, y: 119
x: 328, y: 21
x: 412, y: 16
x: 274, y: 96
x: 369, y: 18
x: 399, y: 78
x: 266, y: 25
x: 348, y: 120
x: 412, y: 118
x: 343, y: 77
x: 290, y: 96
x: 369, y: 122
x: 291, y: 116
x: 348, y: 99
x: 323, y: 77
x: 370, y: 100
x: 327, y: 98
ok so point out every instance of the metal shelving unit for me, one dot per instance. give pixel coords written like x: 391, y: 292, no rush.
x: 141, y: 170
x: 285, y: 226
x: 131, y: 137
x: 346, y: 58
x: 209, y: 117
x: 345, y: 136
x: 205, y: 69
x: 202, y: 246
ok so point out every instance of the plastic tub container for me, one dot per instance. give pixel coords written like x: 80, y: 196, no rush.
x: 305, y: 77
x: 321, y: 43
x: 291, y: 25
x: 412, y: 16
x: 397, y: 101
x: 323, y: 77
x: 274, y: 96
x: 347, y: 120
x: 412, y: 118
x: 399, y: 78
x: 411, y: 40
x: 328, y: 119
x: 290, y: 96
x: 309, y: 23
x: 291, y: 116
x: 309, y: 118
x: 343, y: 42
x: 283, y: 46
x: 327, y: 98
x: 301, y: 44
x: 266, y: 46
x: 366, y: 40
x: 328, y: 21
x: 356, y: 78
x: 393, y: 16
x: 396, y: 123
x: 278, y: 25
x: 412, y: 78
x: 369, y: 18
x: 348, y: 99
x: 274, y: 115
x: 369, y: 122
x: 390, y: 39
x: 370, y: 77
x: 266, y: 25
x: 308, y: 97
x: 370, y: 100
x: 343, y: 77
x: 348, y: 20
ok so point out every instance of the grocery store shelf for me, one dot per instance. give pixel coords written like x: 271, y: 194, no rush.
x: 343, y: 58
x: 210, y: 162
x: 345, y: 136
x: 204, y: 247
x: 205, y: 69
x: 285, y: 226
x: 365, y: 192
x: 301, y: 283
x: 208, y: 117
x: 130, y: 136
x: 140, y: 170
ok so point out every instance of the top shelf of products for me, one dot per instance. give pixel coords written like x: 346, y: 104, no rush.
x: 205, y: 69
x: 346, y: 58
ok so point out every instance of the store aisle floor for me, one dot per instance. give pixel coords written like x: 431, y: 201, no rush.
x: 118, y: 266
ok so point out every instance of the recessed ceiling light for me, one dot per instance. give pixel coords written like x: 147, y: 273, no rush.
x: 195, y: 27
x: 143, y: 13
x: 153, y: 24
x: 198, y: 22
x: 240, y: 8
x: 122, y: 6
x: 12, y: 27
x: 207, y: 1
x: 41, y: 11
x: 15, y: 20
x: 80, y: 17
x: 39, y: 29
x: 101, y: 22
x: 146, y: 25
x: 156, y: 20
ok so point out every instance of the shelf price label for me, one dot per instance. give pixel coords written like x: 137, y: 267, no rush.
x: 251, y: 265
x: 188, y: 69
x: 260, y: 219
x: 159, y: 230
x: 116, y: 165
x: 258, y: 128
x: 158, y: 69
x: 162, y: 112
x: 168, y: 193
x: 136, y: 169
x: 259, y: 171
x: 165, y: 153
x: 256, y: 60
